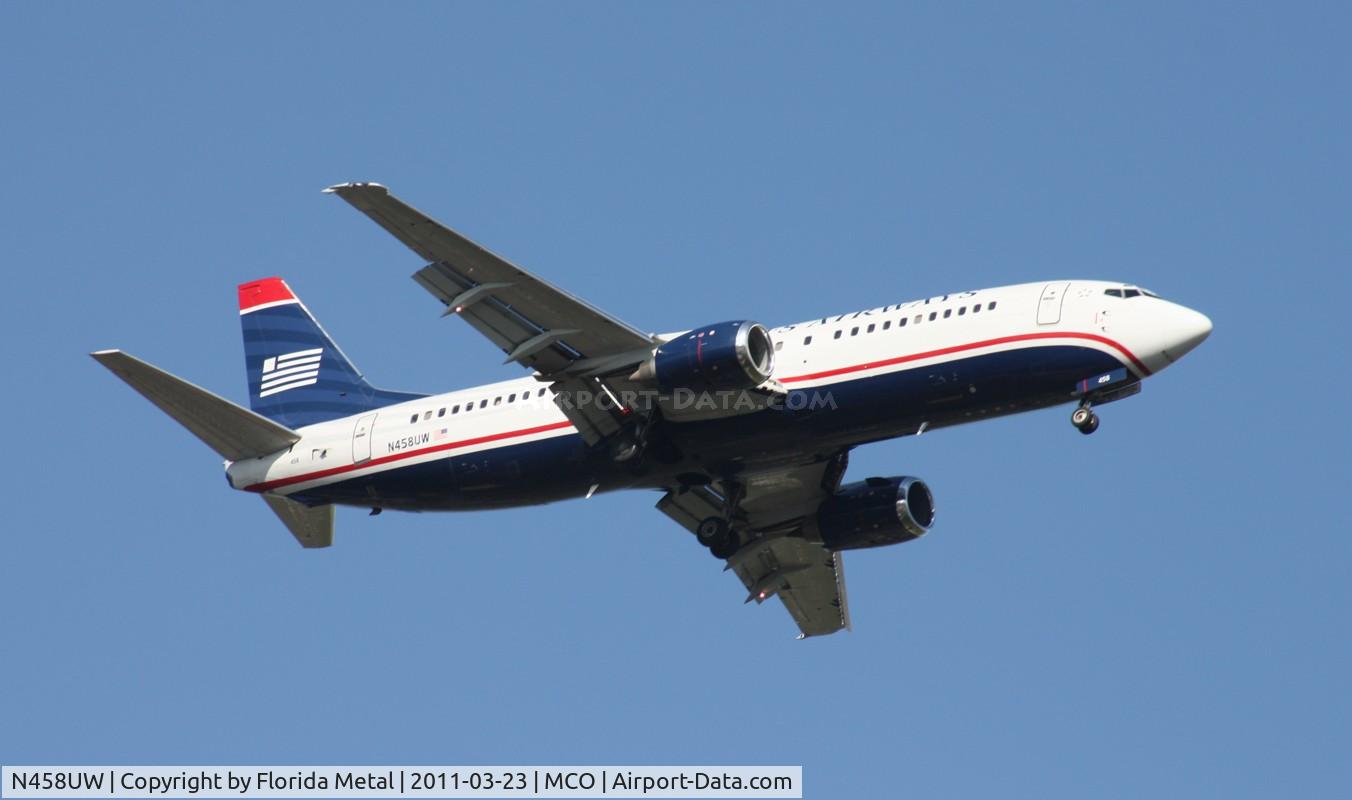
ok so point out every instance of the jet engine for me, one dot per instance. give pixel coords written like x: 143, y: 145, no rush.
x: 876, y: 512
x: 727, y: 355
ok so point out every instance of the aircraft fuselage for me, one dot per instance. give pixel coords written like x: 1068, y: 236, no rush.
x: 850, y: 379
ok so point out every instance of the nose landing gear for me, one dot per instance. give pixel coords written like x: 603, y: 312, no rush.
x: 1084, y: 419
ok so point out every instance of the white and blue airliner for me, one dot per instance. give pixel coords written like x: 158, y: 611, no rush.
x: 744, y: 429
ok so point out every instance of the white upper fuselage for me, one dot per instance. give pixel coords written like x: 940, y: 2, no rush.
x: 1142, y: 332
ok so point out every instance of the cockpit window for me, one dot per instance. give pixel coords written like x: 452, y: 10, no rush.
x: 1130, y: 291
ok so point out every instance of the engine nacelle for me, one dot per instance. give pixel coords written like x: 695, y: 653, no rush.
x: 726, y: 355
x: 876, y: 512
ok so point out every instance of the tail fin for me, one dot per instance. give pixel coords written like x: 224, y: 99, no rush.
x: 297, y: 375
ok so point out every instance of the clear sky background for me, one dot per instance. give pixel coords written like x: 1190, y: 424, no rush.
x: 1161, y: 609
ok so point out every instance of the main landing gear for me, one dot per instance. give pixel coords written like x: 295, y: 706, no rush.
x: 717, y: 533
x: 1084, y: 419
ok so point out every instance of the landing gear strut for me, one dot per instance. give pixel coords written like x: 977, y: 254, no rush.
x: 1084, y: 419
x: 625, y: 446
x: 717, y: 533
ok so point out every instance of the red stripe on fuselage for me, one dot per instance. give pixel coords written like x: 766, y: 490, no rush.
x: 375, y: 462
x: 310, y: 476
x: 944, y: 351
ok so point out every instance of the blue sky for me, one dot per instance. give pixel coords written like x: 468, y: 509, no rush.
x: 1158, y: 609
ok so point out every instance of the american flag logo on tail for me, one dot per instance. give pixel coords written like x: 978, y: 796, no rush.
x: 290, y: 371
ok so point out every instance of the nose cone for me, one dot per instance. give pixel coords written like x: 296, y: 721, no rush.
x: 1187, y: 329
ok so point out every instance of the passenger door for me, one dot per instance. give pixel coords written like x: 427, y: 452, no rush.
x: 1049, y: 307
x: 361, y: 439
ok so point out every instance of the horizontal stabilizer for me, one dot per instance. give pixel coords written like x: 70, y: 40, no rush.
x: 233, y: 431
x: 312, y: 527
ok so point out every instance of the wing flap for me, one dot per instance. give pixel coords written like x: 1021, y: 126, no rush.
x: 776, y: 561
x: 690, y: 506
x: 809, y: 580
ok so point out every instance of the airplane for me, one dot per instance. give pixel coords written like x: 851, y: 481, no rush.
x: 745, y: 430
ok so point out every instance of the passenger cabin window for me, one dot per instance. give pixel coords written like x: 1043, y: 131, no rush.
x: 854, y: 331
x: 415, y: 419
x: 779, y: 345
x: 870, y: 328
x: 887, y: 324
x: 441, y: 412
x: 542, y: 393
x: 511, y: 398
x: 990, y: 306
x: 497, y: 401
x: 807, y: 340
x: 901, y: 323
x: 837, y: 336
x: 933, y: 315
x: 976, y: 308
x: 483, y: 403
x: 948, y: 312
x: 427, y: 415
x: 962, y: 310
x: 455, y: 409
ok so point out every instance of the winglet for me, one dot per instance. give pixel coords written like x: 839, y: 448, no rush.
x: 351, y: 186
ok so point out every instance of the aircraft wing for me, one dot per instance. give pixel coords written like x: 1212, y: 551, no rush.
x: 568, y: 341
x: 777, y: 561
x: 534, y: 323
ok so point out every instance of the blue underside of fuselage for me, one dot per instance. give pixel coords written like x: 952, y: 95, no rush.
x: 816, y: 421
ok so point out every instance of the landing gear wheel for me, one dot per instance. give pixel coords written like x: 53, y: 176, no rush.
x: 1081, y: 416
x: 1091, y: 426
x: 715, y: 534
x: 726, y: 550
x: 712, y: 531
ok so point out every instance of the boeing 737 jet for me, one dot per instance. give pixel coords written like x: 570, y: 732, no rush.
x: 744, y: 429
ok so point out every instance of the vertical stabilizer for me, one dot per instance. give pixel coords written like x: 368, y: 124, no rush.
x: 297, y: 374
